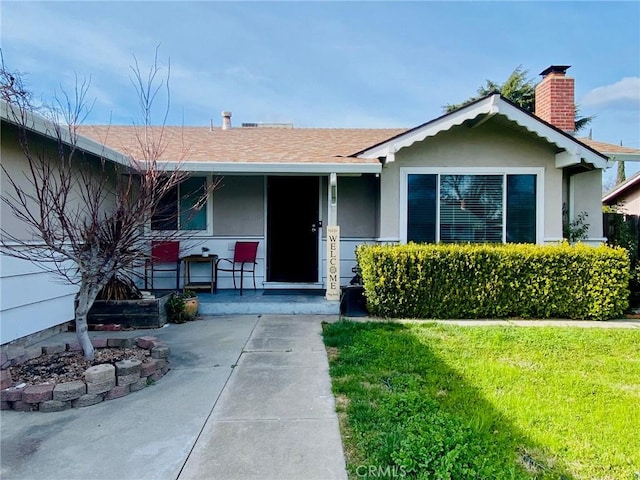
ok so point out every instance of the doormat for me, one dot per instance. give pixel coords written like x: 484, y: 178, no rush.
x: 298, y: 291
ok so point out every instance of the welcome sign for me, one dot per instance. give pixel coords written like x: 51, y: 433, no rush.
x: 333, y: 263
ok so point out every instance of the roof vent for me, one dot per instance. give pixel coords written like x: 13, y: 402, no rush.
x: 226, y: 120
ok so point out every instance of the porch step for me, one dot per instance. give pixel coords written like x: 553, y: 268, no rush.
x: 229, y: 302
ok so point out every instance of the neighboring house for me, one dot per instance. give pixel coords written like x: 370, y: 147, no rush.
x: 32, y: 300
x: 487, y: 172
x: 625, y: 196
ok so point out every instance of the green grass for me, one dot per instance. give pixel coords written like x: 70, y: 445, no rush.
x: 447, y: 402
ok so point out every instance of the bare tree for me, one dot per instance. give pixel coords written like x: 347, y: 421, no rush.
x: 12, y: 87
x: 87, y: 213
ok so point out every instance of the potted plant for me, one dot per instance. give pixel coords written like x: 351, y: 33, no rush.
x: 182, y: 306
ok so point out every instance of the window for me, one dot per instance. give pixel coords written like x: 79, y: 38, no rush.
x: 470, y: 208
x: 451, y: 207
x: 177, y: 208
x: 422, y: 201
x: 521, y: 208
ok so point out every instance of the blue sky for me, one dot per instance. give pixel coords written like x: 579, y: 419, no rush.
x: 328, y: 64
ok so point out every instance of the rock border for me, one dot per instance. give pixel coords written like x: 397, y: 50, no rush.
x: 101, y: 382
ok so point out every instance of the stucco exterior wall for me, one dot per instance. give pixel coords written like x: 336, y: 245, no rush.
x: 629, y: 202
x: 358, y: 206
x: 587, y: 188
x: 238, y: 206
x: 488, y: 145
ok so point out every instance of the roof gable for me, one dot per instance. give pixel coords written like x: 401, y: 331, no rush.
x: 573, y: 151
x: 624, y: 187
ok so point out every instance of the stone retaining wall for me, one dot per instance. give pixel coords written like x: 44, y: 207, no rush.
x: 101, y: 382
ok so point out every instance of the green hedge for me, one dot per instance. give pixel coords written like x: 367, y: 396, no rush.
x: 495, y: 281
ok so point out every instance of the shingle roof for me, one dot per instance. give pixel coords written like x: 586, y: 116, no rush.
x: 268, y: 145
x: 609, y: 148
x: 247, y: 144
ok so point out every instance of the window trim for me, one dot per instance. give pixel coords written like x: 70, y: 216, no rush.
x: 504, y: 171
x: 208, y: 231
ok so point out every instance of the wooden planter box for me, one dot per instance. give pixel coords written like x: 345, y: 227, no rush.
x: 144, y: 313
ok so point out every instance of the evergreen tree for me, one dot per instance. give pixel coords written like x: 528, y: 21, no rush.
x: 621, y: 176
x: 520, y: 90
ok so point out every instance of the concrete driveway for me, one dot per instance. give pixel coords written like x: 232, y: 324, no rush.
x: 247, y: 397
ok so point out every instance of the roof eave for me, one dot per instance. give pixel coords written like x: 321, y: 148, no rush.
x: 257, y: 168
x: 46, y: 128
x: 622, y: 157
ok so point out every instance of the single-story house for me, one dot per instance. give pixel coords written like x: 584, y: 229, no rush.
x: 487, y: 172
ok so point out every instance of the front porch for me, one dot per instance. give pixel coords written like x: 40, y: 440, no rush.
x: 294, y: 302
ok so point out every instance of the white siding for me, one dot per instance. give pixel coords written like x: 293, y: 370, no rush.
x: 31, y: 299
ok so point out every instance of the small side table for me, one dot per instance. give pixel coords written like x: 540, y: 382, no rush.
x: 187, y: 284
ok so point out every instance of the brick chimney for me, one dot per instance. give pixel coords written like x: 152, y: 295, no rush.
x: 226, y: 120
x: 555, y: 98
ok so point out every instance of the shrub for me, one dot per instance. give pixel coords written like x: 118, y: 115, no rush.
x: 120, y: 287
x: 177, y: 311
x: 495, y: 281
x: 622, y: 231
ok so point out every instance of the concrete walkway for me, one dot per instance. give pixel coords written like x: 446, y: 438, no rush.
x: 247, y: 397
x: 276, y: 418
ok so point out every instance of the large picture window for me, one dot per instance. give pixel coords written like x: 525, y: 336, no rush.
x: 494, y: 208
x: 176, y: 210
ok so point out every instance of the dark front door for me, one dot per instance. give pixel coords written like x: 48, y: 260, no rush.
x: 292, y: 232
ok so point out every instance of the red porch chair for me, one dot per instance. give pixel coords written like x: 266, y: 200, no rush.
x: 244, y: 260
x: 165, y: 257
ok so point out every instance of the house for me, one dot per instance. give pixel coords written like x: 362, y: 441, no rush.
x: 625, y: 197
x: 31, y: 299
x: 487, y: 172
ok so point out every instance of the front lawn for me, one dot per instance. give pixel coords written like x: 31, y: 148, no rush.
x: 442, y: 401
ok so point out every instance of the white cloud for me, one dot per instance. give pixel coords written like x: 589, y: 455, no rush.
x: 626, y: 90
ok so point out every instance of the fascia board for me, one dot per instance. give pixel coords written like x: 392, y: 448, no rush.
x: 623, y: 157
x: 256, y: 168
